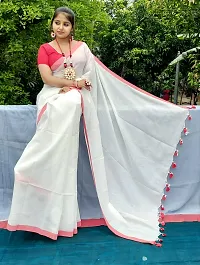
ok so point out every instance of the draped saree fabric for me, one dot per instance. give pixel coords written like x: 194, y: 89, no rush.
x: 130, y: 155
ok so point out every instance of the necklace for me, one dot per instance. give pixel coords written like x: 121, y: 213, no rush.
x: 69, y: 72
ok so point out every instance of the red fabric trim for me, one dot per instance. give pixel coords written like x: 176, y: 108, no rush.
x: 48, y: 55
x: 41, y: 113
x: 173, y: 218
x: 131, y: 85
x: 83, y: 223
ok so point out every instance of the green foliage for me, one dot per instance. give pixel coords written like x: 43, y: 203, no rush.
x: 194, y: 75
x: 145, y: 37
x: 10, y: 93
x: 25, y: 25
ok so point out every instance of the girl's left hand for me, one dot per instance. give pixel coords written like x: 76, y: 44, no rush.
x: 84, y: 83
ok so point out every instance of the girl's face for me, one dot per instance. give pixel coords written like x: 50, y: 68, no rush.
x: 62, y: 27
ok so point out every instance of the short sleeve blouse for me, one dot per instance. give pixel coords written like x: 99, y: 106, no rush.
x: 47, y: 55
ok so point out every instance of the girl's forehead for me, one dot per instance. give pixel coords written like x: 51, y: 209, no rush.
x: 61, y: 17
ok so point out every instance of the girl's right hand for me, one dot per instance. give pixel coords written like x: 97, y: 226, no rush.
x: 81, y: 83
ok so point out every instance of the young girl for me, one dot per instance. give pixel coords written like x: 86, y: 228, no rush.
x: 131, y: 137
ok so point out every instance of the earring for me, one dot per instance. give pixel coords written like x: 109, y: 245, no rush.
x: 71, y: 36
x: 53, y: 35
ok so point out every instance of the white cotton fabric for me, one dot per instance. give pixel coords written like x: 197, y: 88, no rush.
x: 131, y: 138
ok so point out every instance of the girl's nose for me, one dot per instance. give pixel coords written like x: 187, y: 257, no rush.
x: 61, y: 26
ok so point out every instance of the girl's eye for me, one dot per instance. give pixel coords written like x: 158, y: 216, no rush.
x: 66, y: 25
x: 57, y: 23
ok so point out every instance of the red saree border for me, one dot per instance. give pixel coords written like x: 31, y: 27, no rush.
x: 94, y: 223
x: 178, y: 218
x: 53, y: 236
x: 131, y: 85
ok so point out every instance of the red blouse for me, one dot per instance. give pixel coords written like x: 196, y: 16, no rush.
x: 47, y: 55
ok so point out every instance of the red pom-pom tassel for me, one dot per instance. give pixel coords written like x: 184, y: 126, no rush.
x: 162, y: 207
x: 163, y: 223
x: 162, y: 215
x: 176, y: 153
x: 173, y: 165
x: 181, y: 141
x: 185, y: 130
x: 164, y: 197
x: 162, y: 229
x: 171, y: 175
x: 164, y: 235
x: 167, y: 187
x: 189, y: 117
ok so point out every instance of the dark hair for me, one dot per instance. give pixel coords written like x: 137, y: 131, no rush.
x: 67, y: 12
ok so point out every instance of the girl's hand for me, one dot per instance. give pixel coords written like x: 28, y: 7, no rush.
x: 81, y: 83
x: 84, y: 83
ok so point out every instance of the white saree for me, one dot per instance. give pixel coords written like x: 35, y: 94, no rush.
x: 131, y: 137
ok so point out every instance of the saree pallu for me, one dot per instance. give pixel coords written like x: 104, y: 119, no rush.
x: 131, y: 138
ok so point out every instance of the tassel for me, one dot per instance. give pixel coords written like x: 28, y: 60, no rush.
x: 171, y: 175
x: 162, y: 207
x: 162, y: 229
x: 185, y: 130
x: 164, y: 235
x: 162, y: 223
x: 162, y: 215
x: 181, y: 141
x: 189, y: 117
x: 167, y: 187
x: 176, y: 153
x: 173, y: 165
x: 164, y: 197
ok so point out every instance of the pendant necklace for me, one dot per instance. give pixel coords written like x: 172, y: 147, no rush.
x: 69, y: 71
